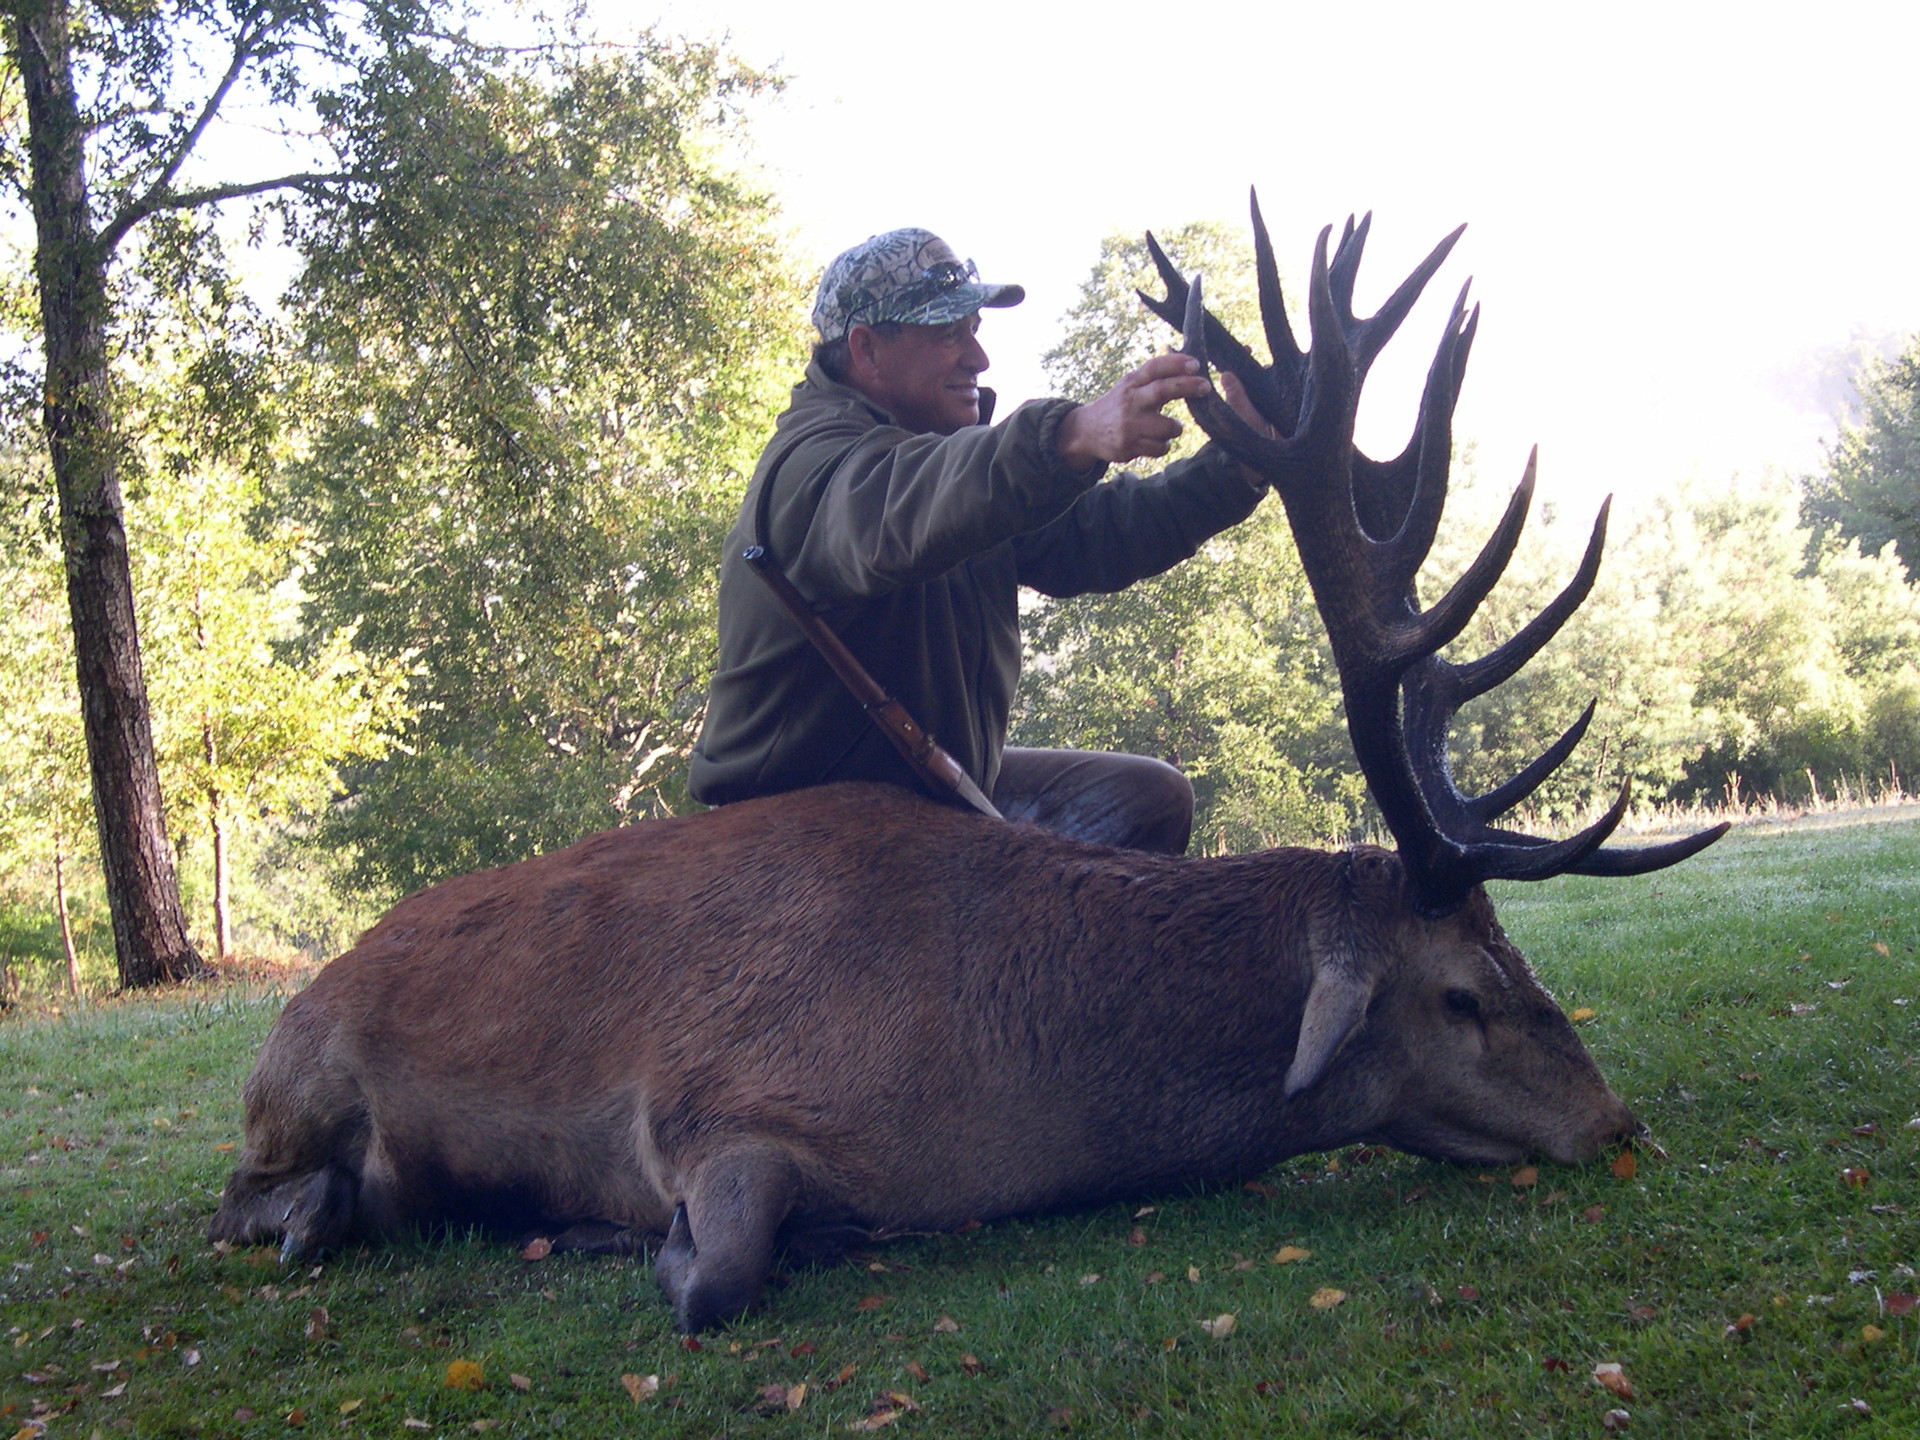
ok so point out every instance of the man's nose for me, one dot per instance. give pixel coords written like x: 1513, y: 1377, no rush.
x: 974, y: 357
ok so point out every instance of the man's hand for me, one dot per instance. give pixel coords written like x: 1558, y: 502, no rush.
x: 1125, y: 423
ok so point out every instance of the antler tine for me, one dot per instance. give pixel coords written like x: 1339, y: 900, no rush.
x: 1346, y: 264
x: 1443, y: 621
x: 1406, y: 508
x: 1259, y: 381
x: 1381, y: 326
x: 1285, y: 350
x: 1501, y: 664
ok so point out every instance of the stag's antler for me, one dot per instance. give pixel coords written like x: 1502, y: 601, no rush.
x: 1363, y: 528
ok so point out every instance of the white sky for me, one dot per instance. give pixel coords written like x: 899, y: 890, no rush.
x: 1675, y: 210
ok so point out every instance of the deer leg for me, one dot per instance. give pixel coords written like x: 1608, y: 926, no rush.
x: 720, y: 1245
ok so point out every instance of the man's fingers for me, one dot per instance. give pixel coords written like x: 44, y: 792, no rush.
x: 1157, y: 394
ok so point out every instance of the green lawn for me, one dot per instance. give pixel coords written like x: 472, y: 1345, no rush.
x: 1759, y: 1007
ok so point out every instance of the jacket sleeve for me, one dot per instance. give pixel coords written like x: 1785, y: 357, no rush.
x: 859, y: 511
x: 1133, y: 526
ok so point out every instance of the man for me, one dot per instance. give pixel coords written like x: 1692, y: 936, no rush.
x: 909, y: 523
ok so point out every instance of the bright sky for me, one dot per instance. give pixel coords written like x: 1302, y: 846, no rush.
x: 1676, y: 212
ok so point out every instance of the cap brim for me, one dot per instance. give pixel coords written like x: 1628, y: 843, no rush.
x: 960, y: 302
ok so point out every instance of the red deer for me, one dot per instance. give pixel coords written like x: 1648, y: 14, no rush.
x: 854, y: 1011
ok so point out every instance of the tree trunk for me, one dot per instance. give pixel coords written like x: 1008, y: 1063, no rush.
x: 149, y: 925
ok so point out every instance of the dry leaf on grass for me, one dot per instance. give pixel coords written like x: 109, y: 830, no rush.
x: 1615, y: 1420
x: 971, y: 1364
x: 870, y: 1302
x: 1900, y: 1303
x: 1610, y: 1376
x: 916, y: 1370
x: 520, y: 1383
x: 1625, y: 1167
x: 1326, y: 1297
x: 946, y: 1325
x: 319, y: 1324
x: 1525, y: 1177
x: 1220, y: 1326
x: 640, y: 1387
x: 537, y: 1248
x: 465, y: 1375
x: 1871, y: 1333
x: 347, y: 1407
x: 1857, y: 1177
x: 1287, y: 1254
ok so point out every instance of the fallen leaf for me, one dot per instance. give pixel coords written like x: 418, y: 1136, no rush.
x: 1154, y: 1277
x: 1857, y: 1177
x: 946, y: 1325
x: 640, y: 1387
x: 296, y: 1417
x: 1741, y: 1326
x: 413, y: 1424
x: 916, y: 1370
x: 1593, y: 1213
x: 878, y: 1420
x: 1614, y: 1420
x: 1871, y: 1333
x: 465, y: 1375
x: 1525, y: 1177
x: 115, y: 1393
x: 1220, y: 1326
x: 847, y: 1372
x: 537, y: 1248
x: 1752, y: 1077
x: 520, y: 1382
x: 1193, y: 1274
x: 870, y: 1302
x: 772, y: 1398
x: 900, y: 1399
x: 1089, y: 1279
x: 1625, y: 1167
x: 1287, y: 1254
x: 1469, y: 1292
x: 347, y: 1407
x: 1326, y: 1297
x: 481, y: 1426
x: 319, y: 1324
x: 1554, y: 1362
x: 1900, y: 1303
x: 1136, y: 1237
x: 1858, y: 1406
x: 796, y: 1396
x: 224, y: 1146
x: 971, y: 1364
x: 1585, y: 1012
x: 1880, y: 948
x: 1610, y: 1376
x: 1060, y: 1419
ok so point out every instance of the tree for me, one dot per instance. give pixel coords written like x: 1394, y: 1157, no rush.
x: 118, y: 103
x: 1870, y: 490
x: 541, y: 356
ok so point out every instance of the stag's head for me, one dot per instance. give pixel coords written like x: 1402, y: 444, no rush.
x: 1363, y: 528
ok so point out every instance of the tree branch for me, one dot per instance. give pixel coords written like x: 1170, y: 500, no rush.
x: 245, y: 47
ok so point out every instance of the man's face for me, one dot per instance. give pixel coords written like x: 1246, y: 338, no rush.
x: 926, y: 376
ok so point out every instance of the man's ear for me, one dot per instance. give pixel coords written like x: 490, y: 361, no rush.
x: 863, y: 353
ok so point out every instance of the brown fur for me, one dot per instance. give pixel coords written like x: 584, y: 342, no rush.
x: 848, y: 1007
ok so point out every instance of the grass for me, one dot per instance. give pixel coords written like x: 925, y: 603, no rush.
x: 1759, y: 1007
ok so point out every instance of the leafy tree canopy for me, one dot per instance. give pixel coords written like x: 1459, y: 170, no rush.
x: 1870, y: 490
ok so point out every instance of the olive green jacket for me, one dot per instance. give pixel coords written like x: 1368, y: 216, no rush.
x: 913, y: 549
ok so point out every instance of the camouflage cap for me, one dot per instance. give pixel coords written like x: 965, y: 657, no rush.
x: 910, y: 277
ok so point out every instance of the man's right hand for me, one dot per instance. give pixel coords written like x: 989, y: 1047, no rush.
x: 1125, y: 423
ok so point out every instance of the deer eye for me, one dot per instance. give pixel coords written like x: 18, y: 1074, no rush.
x: 1463, y: 1003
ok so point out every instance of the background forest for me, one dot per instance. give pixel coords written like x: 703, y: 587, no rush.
x: 422, y: 531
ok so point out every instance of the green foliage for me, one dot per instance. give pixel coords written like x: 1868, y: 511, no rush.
x: 540, y: 350
x: 1870, y: 491
x: 1743, y: 1011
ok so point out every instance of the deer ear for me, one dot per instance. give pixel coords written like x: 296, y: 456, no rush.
x: 1336, y: 1005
